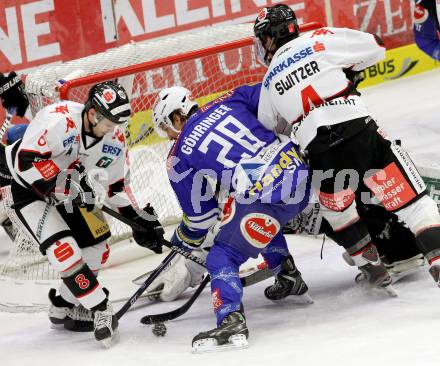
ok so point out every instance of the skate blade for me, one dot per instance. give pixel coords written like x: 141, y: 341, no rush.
x: 237, y: 341
x: 111, y: 341
x: 388, y: 290
x: 57, y: 326
x: 301, y: 299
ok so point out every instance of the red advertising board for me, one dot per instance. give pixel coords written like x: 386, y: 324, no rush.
x: 36, y: 32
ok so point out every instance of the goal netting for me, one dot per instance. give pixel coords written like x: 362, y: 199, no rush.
x: 208, y: 62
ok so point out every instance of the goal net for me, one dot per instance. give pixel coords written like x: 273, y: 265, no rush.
x: 208, y: 62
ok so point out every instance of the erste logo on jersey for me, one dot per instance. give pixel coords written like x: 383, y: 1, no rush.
x: 259, y: 229
x: 111, y: 149
x: 69, y: 141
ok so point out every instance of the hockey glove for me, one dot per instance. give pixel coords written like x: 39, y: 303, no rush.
x: 187, y: 239
x: 81, y: 193
x: 355, y: 77
x: 152, y: 237
x: 12, y: 93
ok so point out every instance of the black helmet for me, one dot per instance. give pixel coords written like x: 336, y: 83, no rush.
x: 279, y: 23
x: 110, y: 100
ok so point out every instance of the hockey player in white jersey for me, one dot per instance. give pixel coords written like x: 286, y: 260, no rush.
x: 311, y: 84
x: 71, y: 159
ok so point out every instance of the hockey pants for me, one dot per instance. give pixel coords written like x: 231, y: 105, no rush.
x: 251, y: 229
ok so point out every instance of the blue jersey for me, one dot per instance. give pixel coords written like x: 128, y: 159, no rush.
x: 224, y: 141
x: 426, y: 27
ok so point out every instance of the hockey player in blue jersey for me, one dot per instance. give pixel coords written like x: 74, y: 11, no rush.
x: 224, y: 142
x: 427, y: 27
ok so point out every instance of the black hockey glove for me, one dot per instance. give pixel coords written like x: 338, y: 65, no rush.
x: 152, y: 237
x: 81, y: 194
x: 12, y: 93
x: 355, y: 78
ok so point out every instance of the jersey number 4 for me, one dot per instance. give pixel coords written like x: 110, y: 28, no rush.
x: 310, y: 96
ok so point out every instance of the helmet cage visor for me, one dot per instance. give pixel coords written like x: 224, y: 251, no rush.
x: 166, y: 123
x: 261, y: 52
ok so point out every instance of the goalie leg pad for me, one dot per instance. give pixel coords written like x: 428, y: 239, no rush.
x: 172, y: 282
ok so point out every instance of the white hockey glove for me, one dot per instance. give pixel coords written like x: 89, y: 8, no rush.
x: 182, y: 273
x: 177, y: 277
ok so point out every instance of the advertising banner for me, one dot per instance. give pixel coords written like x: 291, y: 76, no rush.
x: 38, y: 32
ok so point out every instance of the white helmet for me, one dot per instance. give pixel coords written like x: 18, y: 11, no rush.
x: 170, y: 100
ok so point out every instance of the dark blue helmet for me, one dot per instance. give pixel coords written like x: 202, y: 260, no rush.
x: 277, y: 22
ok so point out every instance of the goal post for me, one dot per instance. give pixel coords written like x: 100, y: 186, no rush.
x: 208, y: 62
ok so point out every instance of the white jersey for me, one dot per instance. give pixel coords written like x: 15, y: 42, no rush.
x: 55, y: 141
x: 305, y: 81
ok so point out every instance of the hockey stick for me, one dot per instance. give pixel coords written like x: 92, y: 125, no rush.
x: 174, y: 251
x: 9, y: 114
x: 165, y: 242
x: 173, y: 314
x: 248, y: 280
x: 146, y: 283
x: 87, y: 326
x: 257, y: 276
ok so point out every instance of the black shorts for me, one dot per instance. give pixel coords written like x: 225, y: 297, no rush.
x: 47, y: 224
x: 377, y: 163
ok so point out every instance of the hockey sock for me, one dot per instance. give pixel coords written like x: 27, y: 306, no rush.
x: 223, y: 263
x: 84, y: 285
x: 275, y: 253
x: 356, y: 240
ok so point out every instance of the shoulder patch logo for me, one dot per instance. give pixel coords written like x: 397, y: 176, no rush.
x: 420, y: 14
x: 262, y: 14
x: 47, y: 168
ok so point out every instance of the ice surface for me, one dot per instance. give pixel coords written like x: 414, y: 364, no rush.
x: 346, y: 325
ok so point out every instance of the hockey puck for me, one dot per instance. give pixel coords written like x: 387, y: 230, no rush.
x: 159, y: 329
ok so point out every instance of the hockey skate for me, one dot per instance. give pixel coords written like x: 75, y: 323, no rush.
x: 434, y: 270
x: 231, y: 334
x: 289, y: 283
x: 403, y: 268
x: 64, y: 314
x: 106, y: 325
x: 373, y: 273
